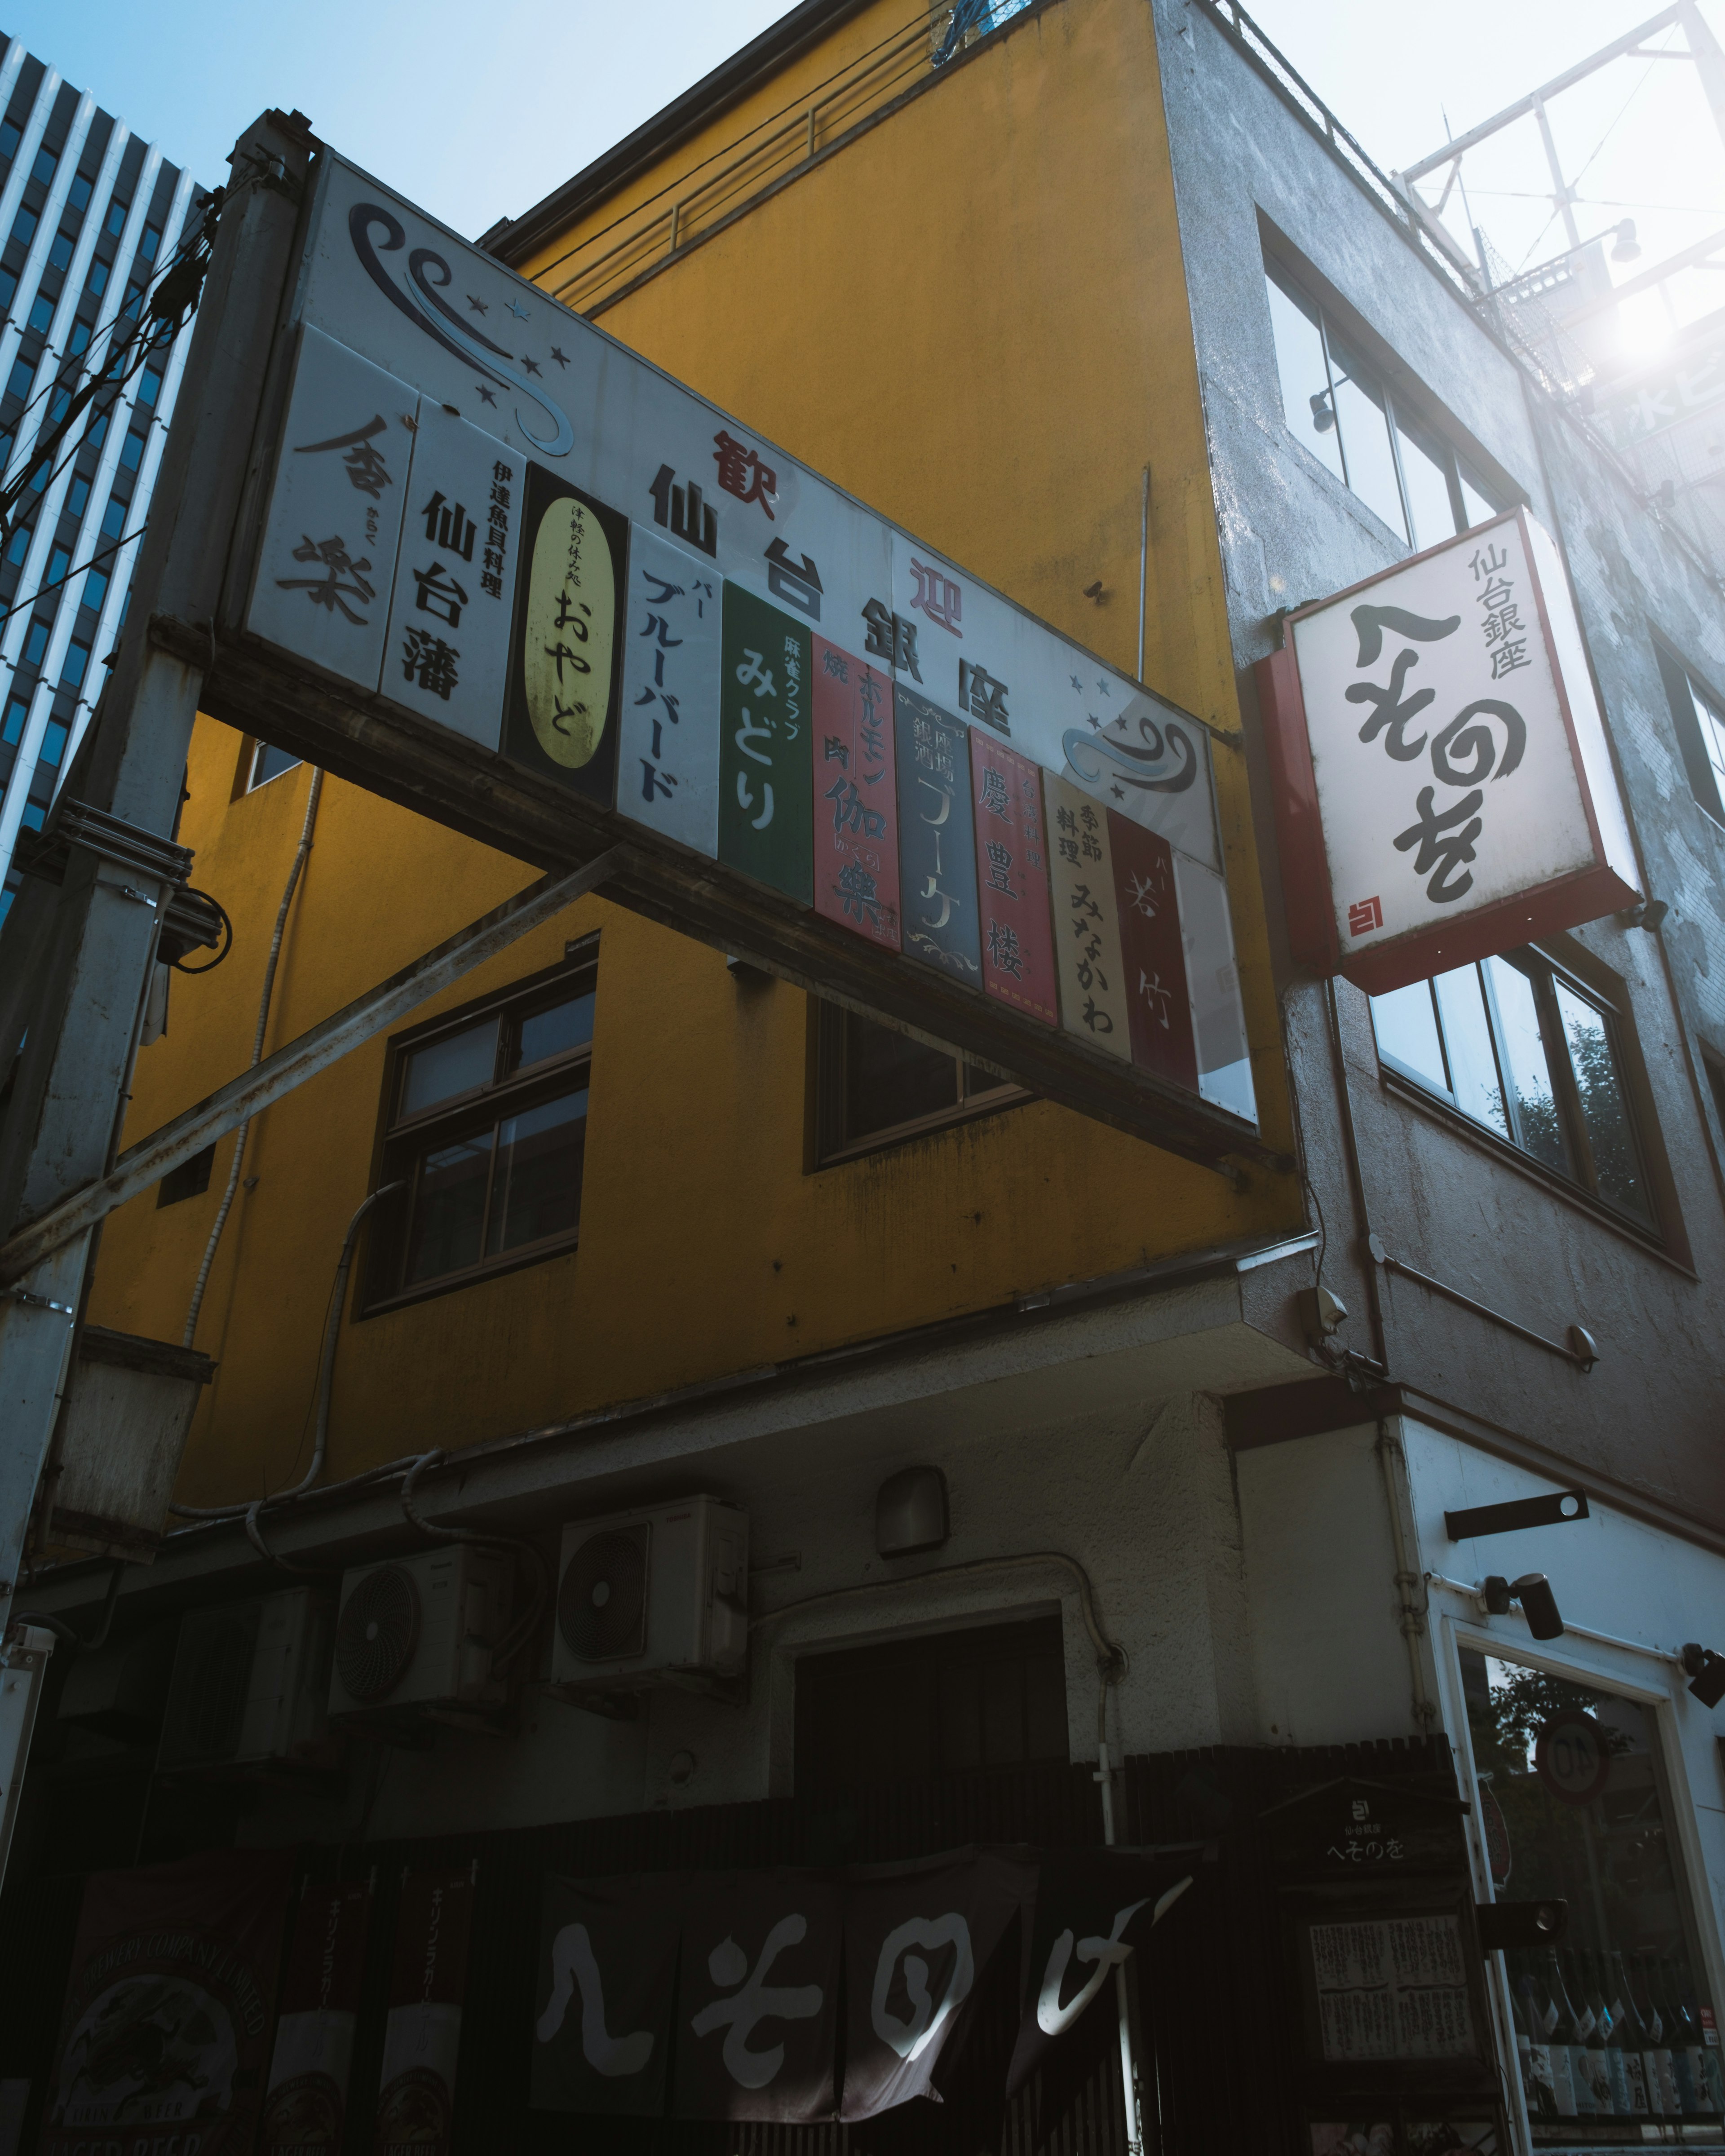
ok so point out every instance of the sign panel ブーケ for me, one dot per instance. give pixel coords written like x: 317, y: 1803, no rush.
x: 590, y: 572
x: 1444, y: 785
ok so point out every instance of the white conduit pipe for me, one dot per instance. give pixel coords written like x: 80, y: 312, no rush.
x: 281, y: 914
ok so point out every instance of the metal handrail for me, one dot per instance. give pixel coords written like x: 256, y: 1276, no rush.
x: 672, y: 219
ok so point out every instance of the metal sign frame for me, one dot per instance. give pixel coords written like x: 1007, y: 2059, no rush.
x: 435, y: 771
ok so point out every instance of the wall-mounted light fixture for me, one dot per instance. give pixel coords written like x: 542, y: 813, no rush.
x: 911, y: 1513
x: 1532, y: 1590
x: 1705, y: 1670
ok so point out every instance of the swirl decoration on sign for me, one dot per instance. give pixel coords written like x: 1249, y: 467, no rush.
x: 1146, y: 767
x: 426, y: 271
x: 1467, y: 736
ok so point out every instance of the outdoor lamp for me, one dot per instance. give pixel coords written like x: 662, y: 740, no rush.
x: 1706, y: 1671
x: 1539, y: 1605
x: 1627, y: 247
x: 1323, y: 412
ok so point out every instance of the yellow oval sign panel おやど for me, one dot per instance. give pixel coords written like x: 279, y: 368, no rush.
x: 572, y: 595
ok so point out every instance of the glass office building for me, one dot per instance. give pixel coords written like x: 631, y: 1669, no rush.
x: 90, y: 212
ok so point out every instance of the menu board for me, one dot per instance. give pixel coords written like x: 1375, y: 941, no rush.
x: 1392, y: 1988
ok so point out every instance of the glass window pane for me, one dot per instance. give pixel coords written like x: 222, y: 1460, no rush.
x: 1305, y: 377
x: 1426, y: 474
x: 891, y: 1078
x: 554, y: 1031
x: 1467, y: 1035
x: 454, y: 1064
x: 539, y: 1161
x: 1539, y: 1128
x: 1406, y: 1026
x: 271, y: 762
x: 1365, y: 439
x: 1605, y: 1113
x: 448, y: 1210
x: 1573, y: 1807
x: 978, y: 1081
x: 1712, y: 735
x: 1475, y: 507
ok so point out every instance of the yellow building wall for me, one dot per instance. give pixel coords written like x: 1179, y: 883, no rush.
x: 972, y: 317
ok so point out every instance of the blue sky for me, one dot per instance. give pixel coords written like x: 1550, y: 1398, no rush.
x: 474, y: 126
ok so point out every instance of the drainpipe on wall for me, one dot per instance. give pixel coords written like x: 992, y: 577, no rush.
x: 1409, y: 1586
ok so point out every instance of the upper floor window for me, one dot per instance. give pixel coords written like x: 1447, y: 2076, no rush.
x: 876, y: 1087
x: 260, y: 760
x: 1700, y: 719
x: 1531, y: 1053
x: 485, y: 1128
x: 1338, y: 407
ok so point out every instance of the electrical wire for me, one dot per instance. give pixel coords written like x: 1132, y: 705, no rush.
x: 268, y: 990
x: 42, y: 591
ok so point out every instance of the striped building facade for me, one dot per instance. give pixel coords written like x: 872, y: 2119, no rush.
x: 90, y: 213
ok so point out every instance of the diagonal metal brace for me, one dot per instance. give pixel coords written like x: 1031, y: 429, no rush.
x: 268, y: 1081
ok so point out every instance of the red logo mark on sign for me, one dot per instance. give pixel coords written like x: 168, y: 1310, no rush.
x: 1363, y: 918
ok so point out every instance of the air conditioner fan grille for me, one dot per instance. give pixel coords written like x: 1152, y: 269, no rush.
x: 602, y: 1598
x: 376, y: 1634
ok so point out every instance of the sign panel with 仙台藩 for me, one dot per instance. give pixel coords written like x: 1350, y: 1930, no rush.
x: 1444, y: 786
x: 491, y: 516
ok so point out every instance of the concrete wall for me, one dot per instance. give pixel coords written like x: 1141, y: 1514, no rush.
x: 1441, y: 1196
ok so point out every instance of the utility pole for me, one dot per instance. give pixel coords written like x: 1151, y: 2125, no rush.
x: 75, y: 961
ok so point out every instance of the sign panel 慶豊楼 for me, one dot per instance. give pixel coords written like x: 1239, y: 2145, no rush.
x: 490, y: 514
x: 1444, y: 784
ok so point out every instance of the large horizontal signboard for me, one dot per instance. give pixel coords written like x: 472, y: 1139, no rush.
x: 491, y: 517
x: 1444, y: 786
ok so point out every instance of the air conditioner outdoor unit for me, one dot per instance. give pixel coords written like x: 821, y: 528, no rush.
x: 652, y: 1598
x: 247, y: 1687
x: 419, y: 1633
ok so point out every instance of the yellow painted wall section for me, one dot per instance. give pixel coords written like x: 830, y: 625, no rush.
x: 875, y: 53
x: 974, y: 317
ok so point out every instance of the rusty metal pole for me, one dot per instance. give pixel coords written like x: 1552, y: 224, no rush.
x: 86, y: 959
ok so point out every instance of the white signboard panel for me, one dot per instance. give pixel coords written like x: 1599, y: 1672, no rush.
x: 1445, y: 788
x: 591, y: 571
x: 334, y: 525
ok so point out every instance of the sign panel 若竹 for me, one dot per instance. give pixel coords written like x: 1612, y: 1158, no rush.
x: 1444, y: 789
x: 1159, y: 1005
x: 1018, y: 952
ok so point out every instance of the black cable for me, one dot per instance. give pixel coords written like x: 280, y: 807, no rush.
x: 42, y: 591
x: 205, y: 898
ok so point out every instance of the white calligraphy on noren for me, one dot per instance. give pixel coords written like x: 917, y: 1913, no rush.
x: 572, y: 1964
x: 756, y: 2001
x: 1053, y: 2018
x: 910, y: 2039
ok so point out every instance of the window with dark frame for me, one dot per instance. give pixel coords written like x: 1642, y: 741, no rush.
x: 485, y: 1131
x: 1699, y: 716
x: 876, y: 1087
x: 190, y: 1179
x: 906, y: 1709
x: 261, y: 761
x: 1338, y: 407
x: 1528, y: 1051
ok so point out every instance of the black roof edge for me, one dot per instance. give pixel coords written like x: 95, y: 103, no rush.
x: 512, y: 239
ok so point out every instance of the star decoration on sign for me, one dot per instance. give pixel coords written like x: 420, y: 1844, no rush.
x: 479, y: 306
x: 1103, y: 686
x: 531, y: 365
x: 1118, y: 792
x: 1095, y: 723
x: 485, y: 395
x: 562, y: 358
x: 518, y: 310
x: 1076, y: 683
